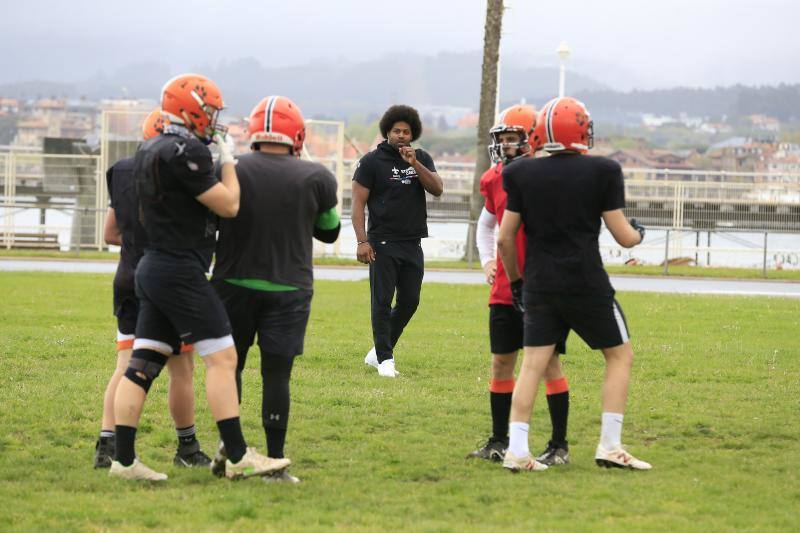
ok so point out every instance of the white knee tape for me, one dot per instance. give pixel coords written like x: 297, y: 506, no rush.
x: 209, y: 346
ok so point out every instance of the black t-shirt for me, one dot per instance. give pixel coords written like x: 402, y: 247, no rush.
x: 272, y: 236
x: 171, y: 171
x: 396, y: 204
x: 561, y: 199
x: 122, y: 199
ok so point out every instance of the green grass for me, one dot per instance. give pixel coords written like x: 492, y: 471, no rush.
x: 713, y: 405
x: 637, y: 270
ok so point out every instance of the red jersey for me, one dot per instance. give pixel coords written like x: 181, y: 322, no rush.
x: 492, y: 190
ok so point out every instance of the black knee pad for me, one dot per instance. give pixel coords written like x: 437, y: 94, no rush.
x: 145, y: 366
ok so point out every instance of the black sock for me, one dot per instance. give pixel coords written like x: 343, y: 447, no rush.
x: 126, y: 438
x: 186, y: 435
x: 559, y: 412
x: 230, y: 431
x: 275, y: 440
x: 500, y: 403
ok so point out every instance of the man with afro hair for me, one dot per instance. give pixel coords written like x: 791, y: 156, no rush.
x: 391, y: 181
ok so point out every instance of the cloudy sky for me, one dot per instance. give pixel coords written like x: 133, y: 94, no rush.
x: 622, y: 43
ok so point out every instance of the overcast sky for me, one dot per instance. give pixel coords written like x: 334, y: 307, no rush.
x: 622, y: 43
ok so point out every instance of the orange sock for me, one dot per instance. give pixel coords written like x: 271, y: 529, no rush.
x: 501, y: 385
x: 557, y: 386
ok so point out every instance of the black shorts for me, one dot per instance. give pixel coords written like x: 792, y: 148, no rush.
x: 598, y: 320
x: 126, y: 309
x: 506, y: 330
x: 177, y: 303
x: 280, y: 318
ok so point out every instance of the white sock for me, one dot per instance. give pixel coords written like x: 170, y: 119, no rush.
x: 611, y: 431
x: 518, y: 438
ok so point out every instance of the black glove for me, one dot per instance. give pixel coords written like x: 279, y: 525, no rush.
x: 638, y: 227
x: 516, y: 295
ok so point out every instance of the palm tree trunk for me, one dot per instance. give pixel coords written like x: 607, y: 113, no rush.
x: 486, y: 112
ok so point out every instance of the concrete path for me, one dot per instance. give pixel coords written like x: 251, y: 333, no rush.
x: 463, y: 277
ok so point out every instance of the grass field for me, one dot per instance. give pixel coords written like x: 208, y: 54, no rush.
x: 713, y: 405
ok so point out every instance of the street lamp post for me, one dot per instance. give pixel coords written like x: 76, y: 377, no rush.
x: 563, y: 52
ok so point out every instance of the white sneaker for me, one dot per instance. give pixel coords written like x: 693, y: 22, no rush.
x: 254, y: 464
x: 136, y: 471
x: 372, y: 358
x: 619, y: 458
x: 518, y: 464
x: 386, y: 369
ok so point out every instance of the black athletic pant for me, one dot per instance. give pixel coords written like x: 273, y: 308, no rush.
x: 398, y: 268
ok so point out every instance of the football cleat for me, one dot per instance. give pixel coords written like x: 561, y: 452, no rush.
x: 219, y: 460
x: 517, y: 464
x: 254, y: 464
x: 135, y: 472
x: 493, y: 450
x: 281, y: 476
x: 372, y: 358
x: 555, y: 454
x: 104, y: 450
x: 619, y: 458
x: 189, y: 455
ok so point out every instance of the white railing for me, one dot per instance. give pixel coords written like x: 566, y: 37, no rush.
x: 66, y: 195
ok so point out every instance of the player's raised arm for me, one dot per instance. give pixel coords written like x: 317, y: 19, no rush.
x: 223, y: 198
x: 430, y: 180
x: 627, y: 234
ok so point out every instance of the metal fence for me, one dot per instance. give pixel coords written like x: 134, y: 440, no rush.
x: 694, y: 217
x: 59, y: 201
x: 51, y: 201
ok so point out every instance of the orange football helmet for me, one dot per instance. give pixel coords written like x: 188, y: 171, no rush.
x: 194, y: 101
x: 153, y: 124
x: 564, y: 124
x: 276, y: 119
x: 520, y: 119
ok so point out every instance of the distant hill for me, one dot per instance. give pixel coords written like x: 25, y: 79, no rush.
x: 323, y: 88
x: 782, y: 102
x: 341, y: 89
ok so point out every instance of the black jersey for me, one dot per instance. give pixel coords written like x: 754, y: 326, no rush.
x: 396, y: 204
x: 122, y: 199
x: 171, y: 171
x: 272, y: 236
x: 561, y: 199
